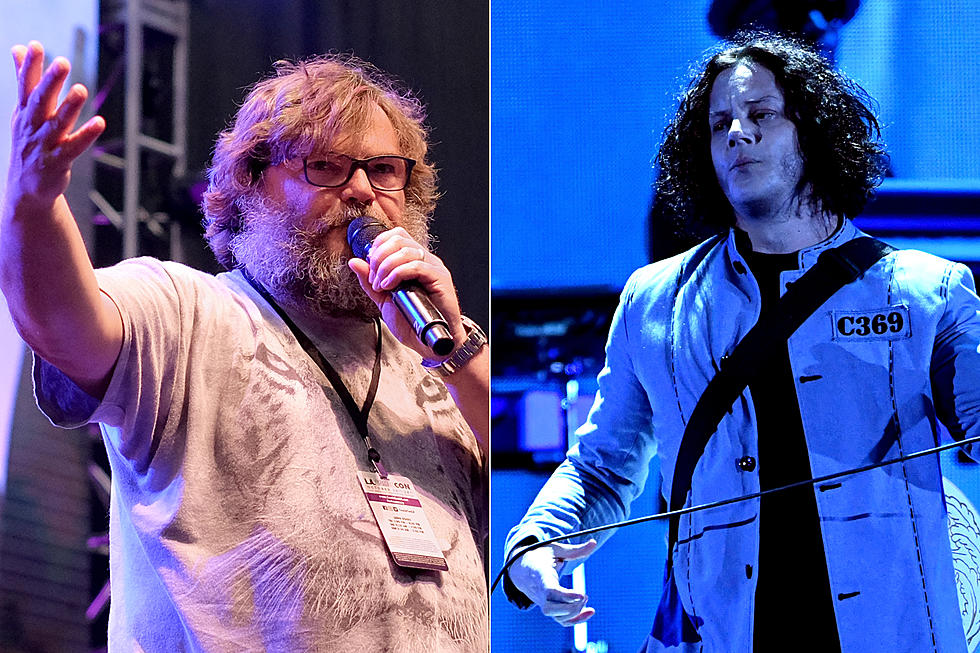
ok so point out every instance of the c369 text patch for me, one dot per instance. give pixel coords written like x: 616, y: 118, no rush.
x: 889, y: 323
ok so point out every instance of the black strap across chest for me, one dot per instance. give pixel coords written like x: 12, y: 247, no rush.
x: 835, y: 268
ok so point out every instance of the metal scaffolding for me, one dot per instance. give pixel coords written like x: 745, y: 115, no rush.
x: 143, y: 44
x: 145, y: 41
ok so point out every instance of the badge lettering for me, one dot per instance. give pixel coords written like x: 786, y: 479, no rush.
x: 404, y: 526
x: 888, y: 323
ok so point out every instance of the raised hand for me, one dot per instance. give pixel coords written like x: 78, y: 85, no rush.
x: 45, y: 272
x: 43, y: 143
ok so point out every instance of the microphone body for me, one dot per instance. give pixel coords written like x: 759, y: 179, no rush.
x: 414, y: 304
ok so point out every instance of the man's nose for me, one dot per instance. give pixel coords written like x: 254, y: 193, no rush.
x: 737, y: 133
x: 358, y: 187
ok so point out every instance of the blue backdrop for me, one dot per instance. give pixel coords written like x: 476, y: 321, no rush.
x: 581, y: 92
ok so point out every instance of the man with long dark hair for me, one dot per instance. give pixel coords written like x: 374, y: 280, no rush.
x: 769, y: 156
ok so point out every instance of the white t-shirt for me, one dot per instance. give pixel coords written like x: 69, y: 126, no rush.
x: 237, y: 522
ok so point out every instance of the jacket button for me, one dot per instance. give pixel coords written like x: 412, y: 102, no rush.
x: 738, y: 267
x: 746, y: 463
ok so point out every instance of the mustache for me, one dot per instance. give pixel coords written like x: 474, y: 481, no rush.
x: 337, y: 220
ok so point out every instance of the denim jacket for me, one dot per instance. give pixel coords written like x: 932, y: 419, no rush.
x: 876, y: 368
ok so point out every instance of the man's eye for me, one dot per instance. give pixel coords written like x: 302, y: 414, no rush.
x: 764, y: 115
x: 382, y: 168
x: 718, y: 126
x: 323, y: 166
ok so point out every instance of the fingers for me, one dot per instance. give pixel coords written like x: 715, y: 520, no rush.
x: 43, y: 140
x: 536, y: 574
x: 38, y: 97
x: 67, y: 114
x: 408, y: 263
x: 362, y: 270
x: 18, y: 52
x: 44, y: 97
x: 39, y: 93
x: 396, y: 257
x: 582, y: 616
x: 73, y: 146
x: 29, y: 70
x: 565, y: 606
x: 574, y: 551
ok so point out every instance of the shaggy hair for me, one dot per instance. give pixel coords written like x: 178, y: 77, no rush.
x: 844, y: 159
x: 300, y: 110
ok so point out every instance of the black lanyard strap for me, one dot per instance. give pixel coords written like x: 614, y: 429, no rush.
x: 358, y: 415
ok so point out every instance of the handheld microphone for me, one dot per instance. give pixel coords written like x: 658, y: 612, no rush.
x: 430, y: 326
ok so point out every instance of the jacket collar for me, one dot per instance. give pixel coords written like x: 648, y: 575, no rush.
x: 806, y: 257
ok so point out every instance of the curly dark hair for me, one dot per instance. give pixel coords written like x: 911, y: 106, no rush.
x: 844, y: 159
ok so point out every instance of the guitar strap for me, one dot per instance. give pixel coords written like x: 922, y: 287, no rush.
x: 835, y: 268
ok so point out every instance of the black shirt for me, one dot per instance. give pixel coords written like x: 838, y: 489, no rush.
x: 793, y: 589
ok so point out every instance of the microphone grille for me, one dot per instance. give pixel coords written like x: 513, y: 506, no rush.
x: 362, y: 232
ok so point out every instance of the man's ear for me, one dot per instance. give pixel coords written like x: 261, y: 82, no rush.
x: 259, y: 158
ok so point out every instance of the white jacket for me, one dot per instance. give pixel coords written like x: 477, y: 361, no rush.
x: 875, y: 368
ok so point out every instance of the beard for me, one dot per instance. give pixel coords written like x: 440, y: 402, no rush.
x: 298, y: 266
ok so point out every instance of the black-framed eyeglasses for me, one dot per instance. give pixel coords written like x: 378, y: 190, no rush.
x: 387, y: 172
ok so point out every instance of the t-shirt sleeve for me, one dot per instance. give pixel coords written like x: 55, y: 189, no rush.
x: 61, y: 401
x: 156, y: 302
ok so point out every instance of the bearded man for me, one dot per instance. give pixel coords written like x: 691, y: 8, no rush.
x: 257, y: 420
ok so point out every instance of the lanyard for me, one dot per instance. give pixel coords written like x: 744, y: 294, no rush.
x: 358, y: 415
